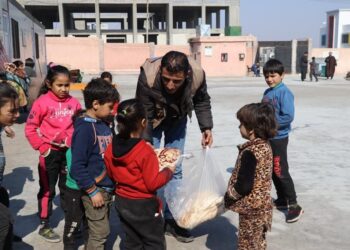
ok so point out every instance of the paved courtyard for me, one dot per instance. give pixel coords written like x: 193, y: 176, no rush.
x: 318, y: 149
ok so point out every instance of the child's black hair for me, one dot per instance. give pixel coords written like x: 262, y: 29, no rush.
x: 18, y: 63
x: 130, y: 114
x: 175, y: 61
x: 273, y: 66
x: 29, y: 62
x: 7, y: 93
x: 51, y: 76
x: 259, y: 117
x: 106, y: 74
x: 99, y: 90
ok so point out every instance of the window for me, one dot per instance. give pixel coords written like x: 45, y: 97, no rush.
x: 224, y: 57
x: 323, y: 40
x: 345, y: 38
x: 15, y: 39
x: 37, y: 53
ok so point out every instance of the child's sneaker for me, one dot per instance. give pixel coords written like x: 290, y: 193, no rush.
x: 280, y: 204
x: 294, y: 213
x: 49, y: 235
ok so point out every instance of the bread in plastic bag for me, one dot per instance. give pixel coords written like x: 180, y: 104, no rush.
x: 199, y: 196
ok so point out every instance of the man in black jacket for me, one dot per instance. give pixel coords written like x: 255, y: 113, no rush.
x: 170, y: 88
x: 303, y: 65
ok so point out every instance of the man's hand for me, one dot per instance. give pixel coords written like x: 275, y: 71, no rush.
x: 9, y: 132
x: 97, y: 200
x: 207, y: 138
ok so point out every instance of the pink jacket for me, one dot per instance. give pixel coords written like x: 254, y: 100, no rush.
x: 50, y: 122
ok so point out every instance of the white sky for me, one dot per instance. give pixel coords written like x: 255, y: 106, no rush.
x: 287, y: 20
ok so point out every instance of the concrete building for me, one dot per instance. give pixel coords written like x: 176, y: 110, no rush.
x: 130, y: 21
x: 335, y: 32
x: 21, y: 36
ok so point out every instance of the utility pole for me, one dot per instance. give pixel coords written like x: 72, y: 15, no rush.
x: 98, y: 22
x: 147, y: 20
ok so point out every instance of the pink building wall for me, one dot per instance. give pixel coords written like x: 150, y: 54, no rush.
x: 160, y: 50
x: 240, y: 52
x: 125, y: 57
x: 91, y: 55
x: 74, y: 52
x: 342, y: 55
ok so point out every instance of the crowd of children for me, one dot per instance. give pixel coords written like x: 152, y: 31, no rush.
x: 93, y: 159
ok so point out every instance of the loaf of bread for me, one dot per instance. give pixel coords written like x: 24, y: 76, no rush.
x: 203, y: 207
x: 167, y: 157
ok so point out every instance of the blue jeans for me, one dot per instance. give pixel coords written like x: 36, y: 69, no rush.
x: 174, y: 137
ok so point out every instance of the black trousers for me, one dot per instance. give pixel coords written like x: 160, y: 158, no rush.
x: 281, y: 178
x: 6, y: 228
x: 303, y: 72
x: 51, y: 168
x: 142, y: 223
x: 74, y: 216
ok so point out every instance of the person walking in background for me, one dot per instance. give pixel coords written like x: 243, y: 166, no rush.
x: 313, y: 69
x: 254, y: 165
x: 49, y: 130
x: 282, y: 99
x: 91, y: 137
x: 331, y: 63
x: 170, y: 88
x: 303, y: 65
x: 133, y: 165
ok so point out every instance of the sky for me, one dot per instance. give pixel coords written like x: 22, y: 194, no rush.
x: 286, y: 19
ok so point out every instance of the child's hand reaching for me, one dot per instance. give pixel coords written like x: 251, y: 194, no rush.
x: 97, y: 200
x: 172, y: 167
x: 9, y: 132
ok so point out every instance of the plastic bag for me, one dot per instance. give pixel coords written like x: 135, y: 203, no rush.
x: 198, y: 197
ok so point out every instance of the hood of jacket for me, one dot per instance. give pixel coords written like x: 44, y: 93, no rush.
x: 126, y: 150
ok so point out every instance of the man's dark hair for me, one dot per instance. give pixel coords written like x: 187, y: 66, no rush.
x: 259, y: 117
x: 273, y: 66
x: 101, y: 91
x: 175, y: 61
x: 130, y: 114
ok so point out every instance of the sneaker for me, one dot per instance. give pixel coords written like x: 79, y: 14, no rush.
x: 280, y: 204
x: 180, y: 234
x: 294, y: 213
x: 49, y: 235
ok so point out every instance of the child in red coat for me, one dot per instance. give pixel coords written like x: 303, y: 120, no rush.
x: 132, y: 163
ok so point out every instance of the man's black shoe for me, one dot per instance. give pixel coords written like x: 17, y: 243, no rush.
x: 180, y: 234
x: 17, y: 238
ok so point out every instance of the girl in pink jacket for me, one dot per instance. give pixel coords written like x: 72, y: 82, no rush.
x: 49, y: 129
